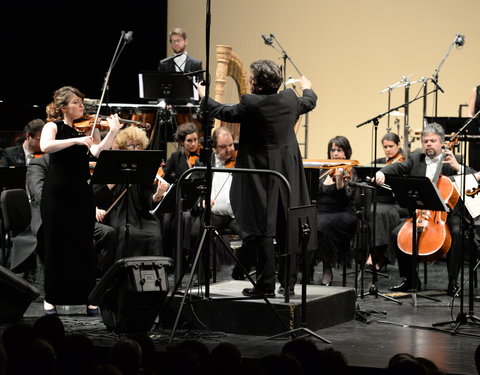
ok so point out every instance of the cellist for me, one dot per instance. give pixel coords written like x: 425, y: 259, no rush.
x: 424, y: 162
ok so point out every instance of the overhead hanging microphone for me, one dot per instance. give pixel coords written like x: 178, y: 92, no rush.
x: 459, y: 40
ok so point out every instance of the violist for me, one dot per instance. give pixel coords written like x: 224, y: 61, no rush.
x: 388, y: 212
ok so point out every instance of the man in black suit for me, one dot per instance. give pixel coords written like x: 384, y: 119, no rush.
x: 19, y: 156
x: 424, y: 163
x: 267, y: 141
x: 180, y: 61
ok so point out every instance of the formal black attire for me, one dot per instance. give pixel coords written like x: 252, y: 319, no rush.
x: 267, y: 141
x: 175, y: 166
x: 68, y: 219
x: 336, y: 222
x: 145, y: 236
x: 474, y: 147
x: 191, y: 65
x: 388, y: 217
x: 12, y: 157
x: 417, y: 166
x: 104, y: 236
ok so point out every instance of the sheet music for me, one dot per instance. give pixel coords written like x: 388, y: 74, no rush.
x: 154, y: 211
x: 471, y: 202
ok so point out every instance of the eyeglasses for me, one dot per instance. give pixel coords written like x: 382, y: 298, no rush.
x: 174, y: 41
x: 134, y: 146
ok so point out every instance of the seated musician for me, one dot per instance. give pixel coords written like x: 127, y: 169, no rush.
x: 18, y: 156
x: 424, y: 163
x: 186, y: 155
x: 144, y: 230
x: 222, y: 216
x: 336, y: 213
x: 387, y: 213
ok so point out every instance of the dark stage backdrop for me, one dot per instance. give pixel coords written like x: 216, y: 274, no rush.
x: 46, y: 45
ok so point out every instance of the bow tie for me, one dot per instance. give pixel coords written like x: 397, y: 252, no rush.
x: 435, y: 160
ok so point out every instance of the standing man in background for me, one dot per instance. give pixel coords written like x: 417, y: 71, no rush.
x: 180, y: 61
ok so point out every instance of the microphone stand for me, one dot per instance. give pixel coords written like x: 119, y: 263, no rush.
x: 434, y: 78
x: 116, y: 55
x: 286, y: 57
x: 462, y: 317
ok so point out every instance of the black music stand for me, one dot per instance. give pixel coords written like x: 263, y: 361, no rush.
x: 127, y: 167
x: 416, y: 192
x: 302, y: 237
x: 174, y: 87
x: 190, y: 193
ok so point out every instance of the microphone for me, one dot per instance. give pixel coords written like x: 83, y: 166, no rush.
x: 360, y: 185
x: 267, y: 40
x: 170, y: 58
x: 459, y: 40
x: 128, y: 37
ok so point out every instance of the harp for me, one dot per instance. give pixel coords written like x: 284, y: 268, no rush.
x: 229, y: 64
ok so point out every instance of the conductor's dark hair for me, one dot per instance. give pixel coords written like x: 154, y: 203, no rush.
x: 341, y: 142
x: 267, y: 77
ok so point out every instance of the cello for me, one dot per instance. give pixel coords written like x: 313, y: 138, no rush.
x: 433, y: 234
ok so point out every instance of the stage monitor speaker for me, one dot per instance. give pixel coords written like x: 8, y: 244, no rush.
x: 16, y: 295
x: 132, y: 292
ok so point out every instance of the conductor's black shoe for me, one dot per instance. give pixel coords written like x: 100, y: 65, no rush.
x: 252, y: 292
x: 405, y: 286
x: 281, y: 291
x: 452, y: 288
x: 477, y: 299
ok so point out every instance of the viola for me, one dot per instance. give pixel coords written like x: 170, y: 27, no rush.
x: 433, y: 234
x: 85, y: 123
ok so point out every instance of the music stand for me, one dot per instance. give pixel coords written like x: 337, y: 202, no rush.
x: 174, y: 87
x: 190, y: 194
x: 127, y: 168
x: 302, y: 237
x: 416, y: 192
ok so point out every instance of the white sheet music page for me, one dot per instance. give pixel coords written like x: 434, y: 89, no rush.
x: 471, y: 202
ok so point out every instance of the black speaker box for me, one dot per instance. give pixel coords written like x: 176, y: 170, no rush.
x: 16, y: 295
x: 132, y: 292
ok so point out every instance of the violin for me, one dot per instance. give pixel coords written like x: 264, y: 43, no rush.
x: 433, y: 234
x: 230, y: 163
x: 85, y: 123
x: 331, y: 165
x: 192, y: 157
x: 397, y: 159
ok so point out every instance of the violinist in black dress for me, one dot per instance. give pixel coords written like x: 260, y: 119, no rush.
x: 67, y: 206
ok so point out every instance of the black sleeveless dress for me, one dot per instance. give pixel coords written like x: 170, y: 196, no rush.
x: 68, y: 216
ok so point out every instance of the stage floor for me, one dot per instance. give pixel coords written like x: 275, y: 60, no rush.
x: 389, y: 327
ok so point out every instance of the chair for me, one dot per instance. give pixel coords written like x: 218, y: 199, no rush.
x: 19, y: 240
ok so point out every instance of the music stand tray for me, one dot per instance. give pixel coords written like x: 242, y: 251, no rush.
x: 127, y: 167
x: 416, y: 192
x: 175, y: 87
